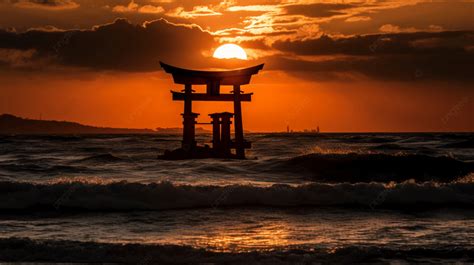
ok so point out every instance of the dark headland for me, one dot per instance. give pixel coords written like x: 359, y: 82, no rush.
x: 10, y: 124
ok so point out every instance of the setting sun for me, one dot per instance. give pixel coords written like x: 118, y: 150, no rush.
x: 230, y: 51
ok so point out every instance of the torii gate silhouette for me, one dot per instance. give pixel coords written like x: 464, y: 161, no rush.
x: 222, y: 144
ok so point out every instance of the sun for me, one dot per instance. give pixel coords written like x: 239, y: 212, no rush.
x: 230, y: 51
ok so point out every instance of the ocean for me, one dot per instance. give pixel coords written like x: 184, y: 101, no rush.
x: 297, y: 198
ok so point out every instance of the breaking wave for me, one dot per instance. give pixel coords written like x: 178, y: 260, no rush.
x: 356, y: 167
x: 125, y: 196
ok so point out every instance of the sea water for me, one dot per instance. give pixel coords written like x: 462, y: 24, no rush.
x: 311, y: 197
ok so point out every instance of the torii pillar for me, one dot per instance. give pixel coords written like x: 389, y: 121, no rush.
x: 238, y: 126
x: 189, y: 121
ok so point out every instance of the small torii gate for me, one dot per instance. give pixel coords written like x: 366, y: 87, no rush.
x: 222, y: 144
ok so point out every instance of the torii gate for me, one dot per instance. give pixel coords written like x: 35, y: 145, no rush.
x: 221, y: 121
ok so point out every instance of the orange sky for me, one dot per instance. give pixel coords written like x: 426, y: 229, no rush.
x: 349, y: 66
x: 140, y: 100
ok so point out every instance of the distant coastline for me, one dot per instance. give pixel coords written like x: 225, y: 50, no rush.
x: 10, y: 124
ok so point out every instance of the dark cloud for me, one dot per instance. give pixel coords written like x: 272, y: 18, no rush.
x: 128, y: 47
x: 400, y: 43
x: 407, y: 56
x: 116, y: 46
x: 317, y: 10
x: 46, y: 4
x: 388, y: 68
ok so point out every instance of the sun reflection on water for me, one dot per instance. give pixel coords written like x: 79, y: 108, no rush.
x: 245, y: 238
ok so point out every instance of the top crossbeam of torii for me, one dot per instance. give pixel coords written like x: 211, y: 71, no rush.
x: 198, y: 77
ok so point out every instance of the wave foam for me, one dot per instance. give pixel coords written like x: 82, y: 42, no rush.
x: 124, y: 196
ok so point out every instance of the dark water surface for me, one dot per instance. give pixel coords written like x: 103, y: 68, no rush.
x: 319, y: 197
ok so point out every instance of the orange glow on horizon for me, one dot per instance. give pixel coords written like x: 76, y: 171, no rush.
x: 143, y: 100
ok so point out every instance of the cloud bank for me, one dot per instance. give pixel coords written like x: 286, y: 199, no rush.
x: 123, y: 46
x: 118, y: 46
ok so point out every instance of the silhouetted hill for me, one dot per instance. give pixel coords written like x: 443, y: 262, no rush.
x: 10, y: 124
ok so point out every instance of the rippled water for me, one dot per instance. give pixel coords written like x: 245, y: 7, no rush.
x: 247, y: 229
x: 308, y: 192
